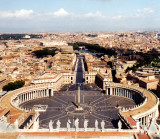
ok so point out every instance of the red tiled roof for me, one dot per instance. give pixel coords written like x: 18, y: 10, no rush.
x: 81, y: 133
x: 143, y: 136
x: 131, y: 121
x: 1, y: 111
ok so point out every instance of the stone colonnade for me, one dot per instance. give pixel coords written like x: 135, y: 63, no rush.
x: 34, y: 94
x: 138, y: 95
x: 30, y: 93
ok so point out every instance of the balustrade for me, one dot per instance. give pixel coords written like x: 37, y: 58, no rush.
x: 27, y: 94
x: 136, y: 94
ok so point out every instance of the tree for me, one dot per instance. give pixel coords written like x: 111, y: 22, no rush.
x: 128, y: 69
x: 94, y: 48
x: 18, y: 41
x: 14, y: 85
x: 110, y: 63
x: 75, y: 47
x: 5, y: 43
x: 44, y: 52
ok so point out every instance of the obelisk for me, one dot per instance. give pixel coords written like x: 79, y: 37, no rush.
x: 79, y: 100
x: 79, y: 96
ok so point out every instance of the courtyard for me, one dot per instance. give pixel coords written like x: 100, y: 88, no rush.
x: 96, y: 106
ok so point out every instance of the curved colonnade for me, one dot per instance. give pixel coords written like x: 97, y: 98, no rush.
x: 146, y: 108
x: 147, y: 103
x: 33, y: 92
x: 22, y: 95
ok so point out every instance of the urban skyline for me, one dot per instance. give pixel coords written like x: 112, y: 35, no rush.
x: 79, y: 16
x: 80, y: 85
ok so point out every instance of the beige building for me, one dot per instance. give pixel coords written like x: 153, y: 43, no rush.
x: 63, y: 62
x: 98, y: 71
x: 56, y: 80
x: 145, y: 80
x: 148, y: 81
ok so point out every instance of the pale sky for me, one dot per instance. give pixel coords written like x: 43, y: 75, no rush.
x: 78, y: 15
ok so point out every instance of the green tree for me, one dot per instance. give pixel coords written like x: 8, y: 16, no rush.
x: 14, y: 85
x: 94, y: 48
x: 75, y: 47
x: 110, y: 63
x: 45, y: 52
x: 18, y: 41
x: 5, y: 43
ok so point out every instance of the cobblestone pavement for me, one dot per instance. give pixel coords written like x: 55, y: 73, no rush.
x: 95, y: 105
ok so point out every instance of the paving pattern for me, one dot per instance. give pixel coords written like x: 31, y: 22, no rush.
x: 96, y: 106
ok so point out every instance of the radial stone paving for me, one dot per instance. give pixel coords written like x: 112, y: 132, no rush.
x: 96, y: 106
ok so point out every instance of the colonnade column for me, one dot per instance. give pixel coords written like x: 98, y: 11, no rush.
x: 20, y: 99
x: 111, y: 91
x: 106, y: 91
x: 115, y: 93
x: 29, y: 95
x: 119, y: 92
x: 52, y: 92
x: 26, y: 96
x: 47, y: 93
x: 127, y: 93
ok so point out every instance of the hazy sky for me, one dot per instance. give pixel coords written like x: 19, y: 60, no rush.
x: 78, y: 15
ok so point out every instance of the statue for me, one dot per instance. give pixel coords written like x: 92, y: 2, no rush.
x: 16, y: 102
x: 16, y: 125
x: 3, y: 124
x: 138, y: 126
x: 68, y: 125
x: 76, y: 123
x: 119, y: 125
x: 51, y: 126
x: 96, y: 125
x: 58, y: 125
x: 85, y: 124
x: 10, y: 128
x: 4, y: 119
x: 36, y: 125
x: 102, y: 125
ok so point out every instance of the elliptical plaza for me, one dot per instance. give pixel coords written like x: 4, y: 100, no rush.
x: 80, y: 107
